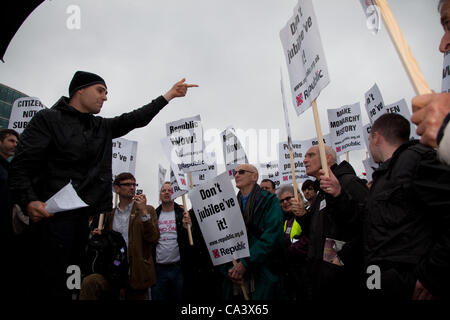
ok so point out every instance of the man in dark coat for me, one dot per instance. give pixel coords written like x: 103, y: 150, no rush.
x: 68, y: 144
x: 406, y: 217
x: 334, y: 254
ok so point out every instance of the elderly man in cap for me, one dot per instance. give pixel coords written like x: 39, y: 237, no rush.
x: 68, y: 144
x: 263, y: 219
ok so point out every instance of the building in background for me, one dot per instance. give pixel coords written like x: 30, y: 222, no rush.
x: 7, y: 97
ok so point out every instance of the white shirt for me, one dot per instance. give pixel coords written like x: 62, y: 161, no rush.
x: 121, y: 221
x: 167, y: 250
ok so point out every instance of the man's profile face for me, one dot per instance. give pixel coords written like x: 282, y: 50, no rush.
x: 8, y: 146
x: 445, y: 21
x: 92, y: 98
x: 312, y: 161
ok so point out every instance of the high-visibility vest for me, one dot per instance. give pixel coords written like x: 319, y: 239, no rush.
x: 296, y: 229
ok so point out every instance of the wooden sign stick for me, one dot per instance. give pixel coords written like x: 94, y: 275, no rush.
x: 409, y: 62
x: 244, y: 291
x: 294, y: 178
x: 323, y: 157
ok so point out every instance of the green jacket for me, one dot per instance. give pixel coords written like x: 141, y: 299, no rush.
x: 265, y: 237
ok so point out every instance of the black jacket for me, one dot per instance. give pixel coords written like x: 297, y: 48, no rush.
x: 408, y: 217
x: 336, y: 221
x: 62, y: 144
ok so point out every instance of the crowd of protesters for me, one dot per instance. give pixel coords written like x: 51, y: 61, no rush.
x: 343, y: 238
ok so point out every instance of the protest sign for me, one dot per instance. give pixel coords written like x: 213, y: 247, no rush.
x: 285, y: 112
x: 374, y: 102
x: 307, y: 66
x: 176, y: 190
x: 369, y: 166
x: 446, y: 73
x: 233, y: 152
x: 171, y: 154
x: 186, y: 136
x: 123, y: 156
x: 366, y: 132
x: 314, y: 142
x: 220, y: 219
x: 372, y: 15
x: 270, y: 171
x: 285, y: 164
x: 201, y: 176
x: 346, y: 128
x: 23, y: 109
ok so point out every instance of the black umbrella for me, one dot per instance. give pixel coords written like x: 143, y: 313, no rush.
x: 12, y: 15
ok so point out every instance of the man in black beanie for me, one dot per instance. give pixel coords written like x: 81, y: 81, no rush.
x: 68, y: 144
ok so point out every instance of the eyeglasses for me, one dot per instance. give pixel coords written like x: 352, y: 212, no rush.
x: 242, y: 171
x: 285, y: 199
x: 129, y: 184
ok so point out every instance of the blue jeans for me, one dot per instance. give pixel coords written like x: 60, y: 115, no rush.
x: 169, y: 283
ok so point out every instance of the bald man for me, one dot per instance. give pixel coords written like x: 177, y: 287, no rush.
x: 264, y: 221
x: 336, y: 274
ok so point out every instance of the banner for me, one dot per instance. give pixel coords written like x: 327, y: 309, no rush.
x: 23, y: 109
x: 233, y: 152
x: 446, y: 73
x: 220, y: 219
x: 186, y: 136
x: 270, y: 171
x: 307, y: 66
x: 123, y: 156
x: 346, y: 128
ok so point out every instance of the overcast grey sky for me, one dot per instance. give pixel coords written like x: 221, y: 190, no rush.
x: 231, y: 49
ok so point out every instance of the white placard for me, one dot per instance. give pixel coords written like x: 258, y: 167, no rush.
x: 233, y: 152
x: 369, y: 166
x: 171, y: 154
x: 186, y: 136
x: 174, y: 186
x: 346, y: 128
x: 220, y: 219
x: 306, y: 63
x: 123, y: 156
x: 270, y: 171
x: 315, y: 142
x: 366, y: 133
x: 284, y: 162
x: 374, y: 102
x: 373, y: 17
x: 22, y: 111
x: 200, y: 177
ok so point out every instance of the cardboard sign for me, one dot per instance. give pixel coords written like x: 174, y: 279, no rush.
x: 220, y: 219
x: 123, y: 156
x: 23, y: 109
x: 307, y: 66
x: 346, y: 128
x: 233, y: 152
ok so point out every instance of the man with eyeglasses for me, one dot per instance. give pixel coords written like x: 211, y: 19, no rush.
x: 138, y: 224
x: 70, y: 143
x: 335, y: 253
x: 263, y: 218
